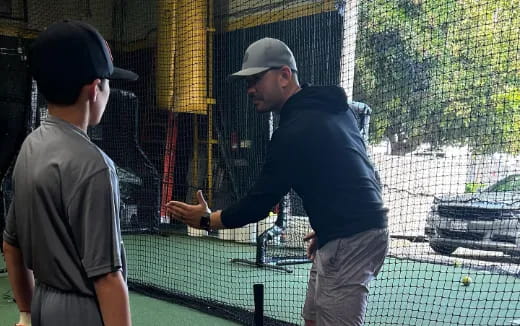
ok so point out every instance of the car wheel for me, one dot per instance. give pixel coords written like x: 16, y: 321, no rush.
x: 442, y: 248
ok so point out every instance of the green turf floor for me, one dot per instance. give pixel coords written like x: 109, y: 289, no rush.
x: 201, y: 267
x: 405, y: 293
x: 146, y: 311
x: 418, y: 293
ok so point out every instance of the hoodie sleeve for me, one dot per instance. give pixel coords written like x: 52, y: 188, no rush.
x: 274, y: 182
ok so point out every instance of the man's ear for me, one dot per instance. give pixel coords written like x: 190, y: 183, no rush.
x: 285, y: 76
x: 93, y: 89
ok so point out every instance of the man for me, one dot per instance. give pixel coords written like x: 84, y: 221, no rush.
x: 318, y: 151
x: 63, y: 223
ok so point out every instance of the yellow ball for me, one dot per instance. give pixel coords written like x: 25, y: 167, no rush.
x: 466, y: 280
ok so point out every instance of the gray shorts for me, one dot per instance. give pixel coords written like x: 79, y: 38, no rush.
x: 337, y: 291
x: 51, y: 307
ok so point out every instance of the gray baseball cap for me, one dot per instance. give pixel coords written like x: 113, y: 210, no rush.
x: 265, y: 54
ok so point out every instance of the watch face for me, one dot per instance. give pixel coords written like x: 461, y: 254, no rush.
x: 205, y: 222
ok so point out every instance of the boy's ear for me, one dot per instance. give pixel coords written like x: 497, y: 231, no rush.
x: 93, y: 89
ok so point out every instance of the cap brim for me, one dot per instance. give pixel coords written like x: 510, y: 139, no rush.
x: 123, y: 74
x: 247, y: 72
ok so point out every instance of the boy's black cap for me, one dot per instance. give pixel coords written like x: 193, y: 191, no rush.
x: 74, y: 53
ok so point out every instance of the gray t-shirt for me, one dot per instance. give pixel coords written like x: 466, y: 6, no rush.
x: 65, y: 211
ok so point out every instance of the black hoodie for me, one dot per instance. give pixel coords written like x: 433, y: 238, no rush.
x: 318, y: 151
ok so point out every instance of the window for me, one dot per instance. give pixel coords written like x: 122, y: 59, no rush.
x: 510, y: 183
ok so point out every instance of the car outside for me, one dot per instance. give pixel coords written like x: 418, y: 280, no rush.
x: 487, y: 220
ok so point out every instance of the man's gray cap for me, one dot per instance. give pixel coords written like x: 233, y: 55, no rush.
x: 265, y: 54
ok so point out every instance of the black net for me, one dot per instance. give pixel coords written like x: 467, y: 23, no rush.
x: 14, y: 119
x: 436, y: 88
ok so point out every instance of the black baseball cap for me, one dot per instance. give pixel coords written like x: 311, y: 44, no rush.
x: 72, y: 53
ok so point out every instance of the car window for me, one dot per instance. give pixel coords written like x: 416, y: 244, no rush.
x: 511, y: 183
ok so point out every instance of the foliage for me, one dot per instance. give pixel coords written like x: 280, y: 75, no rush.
x: 441, y: 72
x: 473, y: 187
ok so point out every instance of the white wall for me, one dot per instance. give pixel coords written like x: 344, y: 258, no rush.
x: 412, y: 181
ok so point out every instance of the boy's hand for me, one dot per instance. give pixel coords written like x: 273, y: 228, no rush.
x: 25, y: 319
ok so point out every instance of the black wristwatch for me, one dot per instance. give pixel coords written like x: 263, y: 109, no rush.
x: 205, y: 221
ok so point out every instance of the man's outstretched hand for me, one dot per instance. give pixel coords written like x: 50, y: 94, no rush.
x: 189, y: 214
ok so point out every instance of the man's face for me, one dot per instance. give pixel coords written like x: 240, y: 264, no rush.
x: 98, y: 107
x: 265, y: 90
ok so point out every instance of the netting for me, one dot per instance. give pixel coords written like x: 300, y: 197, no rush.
x: 436, y: 83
